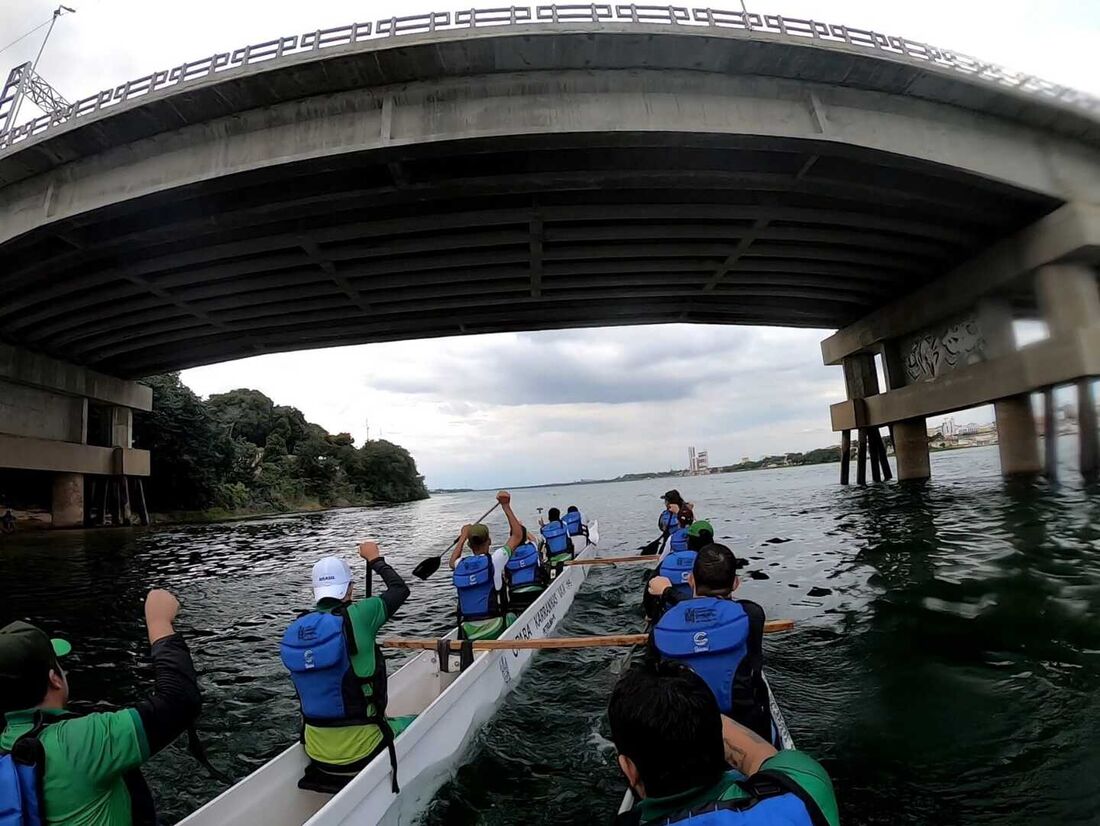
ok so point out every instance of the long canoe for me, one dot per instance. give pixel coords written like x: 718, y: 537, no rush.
x: 450, y: 706
x: 777, y: 718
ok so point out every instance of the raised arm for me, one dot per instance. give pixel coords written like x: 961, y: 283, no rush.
x: 516, y: 532
x: 456, y: 554
x: 175, y: 701
x: 396, y: 590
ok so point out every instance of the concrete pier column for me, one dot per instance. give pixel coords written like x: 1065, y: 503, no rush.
x: 1087, y: 431
x: 1070, y: 300
x: 911, y: 449
x: 1017, y: 437
x: 68, y: 500
x: 122, y: 427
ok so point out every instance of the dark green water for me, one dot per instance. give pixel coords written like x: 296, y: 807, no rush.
x: 951, y: 675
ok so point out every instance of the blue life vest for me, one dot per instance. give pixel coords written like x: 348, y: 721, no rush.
x: 668, y: 521
x: 557, y: 538
x: 20, y: 783
x: 525, y: 566
x: 711, y: 637
x: 572, y: 522
x: 678, y: 541
x: 677, y: 566
x: 776, y: 807
x: 477, y: 597
x: 315, y: 650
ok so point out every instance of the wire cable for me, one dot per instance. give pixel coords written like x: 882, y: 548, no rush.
x: 25, y: 36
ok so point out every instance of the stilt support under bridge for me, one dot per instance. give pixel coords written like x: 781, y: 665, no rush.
x: 950, y: 345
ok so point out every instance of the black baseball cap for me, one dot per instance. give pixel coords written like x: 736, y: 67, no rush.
x: 672, y: 494
x: 26, y: 655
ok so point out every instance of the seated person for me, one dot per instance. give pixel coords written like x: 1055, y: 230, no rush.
x: 675, y: 567
x: 575, y: 522
x: 87, y: 766
x: 345, y: 725
x: 479, y: 579
x: 718, y: 637
x: 526, y: 576
x: 676, y: 749
x: 555, y: 534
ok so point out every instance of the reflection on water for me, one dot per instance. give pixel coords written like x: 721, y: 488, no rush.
x: 949, y: 675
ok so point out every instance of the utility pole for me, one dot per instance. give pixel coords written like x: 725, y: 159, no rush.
x: 29, y: 83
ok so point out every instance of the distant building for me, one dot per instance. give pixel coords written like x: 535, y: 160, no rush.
x: 702, y: 462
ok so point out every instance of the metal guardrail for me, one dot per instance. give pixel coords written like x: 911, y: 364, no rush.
x: 795, y: 29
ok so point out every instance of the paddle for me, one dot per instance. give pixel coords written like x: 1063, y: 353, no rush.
x: 429, y: 566
x: 609, y: 560
x: 651, y: 548
x: 603, y: 641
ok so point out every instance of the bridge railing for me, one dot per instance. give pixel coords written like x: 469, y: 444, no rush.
x: 795, y: 29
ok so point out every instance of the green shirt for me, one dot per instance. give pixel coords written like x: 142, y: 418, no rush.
x: 341, y: 745
x: 798, y: 766
x: 86, y: 758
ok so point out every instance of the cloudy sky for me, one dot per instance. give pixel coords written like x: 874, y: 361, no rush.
x: 480, y: 411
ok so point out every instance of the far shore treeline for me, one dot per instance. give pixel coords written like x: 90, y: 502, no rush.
x: 241, y: 452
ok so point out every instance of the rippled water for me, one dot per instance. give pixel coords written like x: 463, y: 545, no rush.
x: 950, y: 675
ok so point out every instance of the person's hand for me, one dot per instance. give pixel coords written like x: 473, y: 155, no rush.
x: 369, y: 551
x: 673, y: 508
x: 504, y: 497
x: 658, y: 585
x: 161, y: 606
x: 454, y: 563
x: 161, y: 609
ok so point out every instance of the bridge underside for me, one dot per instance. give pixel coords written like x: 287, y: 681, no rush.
x: 472, y: 237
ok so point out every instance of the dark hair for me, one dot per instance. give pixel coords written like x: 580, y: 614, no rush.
x: 554, y: 514
x: 476, y: 542
x: 28, y: 692
x: 697, y: 543
x: 666, y: 720
x: 673, y: 497
x: 571, y: 509
x: 715, y: 570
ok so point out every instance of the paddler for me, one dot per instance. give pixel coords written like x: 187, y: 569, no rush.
x: 339, y: 673
x: 91, y: 762
x: 718, y: 637
x: 555, y: 534
x: 479, y: 579
x: 676, y: 751
x: 674, y: 571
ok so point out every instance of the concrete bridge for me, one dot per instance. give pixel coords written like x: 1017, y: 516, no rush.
x: 553, y: 167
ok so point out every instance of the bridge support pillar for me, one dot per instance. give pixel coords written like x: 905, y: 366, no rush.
x: 911, y: 449
x: 67, y: 506
x: 1017, y: 436
x: 1070, y: 301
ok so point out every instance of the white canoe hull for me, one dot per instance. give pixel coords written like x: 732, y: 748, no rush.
x: 450, y: 708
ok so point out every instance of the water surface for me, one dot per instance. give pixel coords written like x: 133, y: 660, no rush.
x: 950, y: 675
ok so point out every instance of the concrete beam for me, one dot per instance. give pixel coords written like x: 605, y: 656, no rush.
x: 504, y: 106
x: 65, y: 457
x: 1052, y: 362
x: 21, y: 366
x: 1069, y: 234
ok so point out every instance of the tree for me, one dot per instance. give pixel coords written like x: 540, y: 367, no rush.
x: 190, y: 454
x: 387, y: 473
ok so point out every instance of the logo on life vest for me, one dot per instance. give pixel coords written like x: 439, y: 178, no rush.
x: 701, y: 641
x: 684, y: 576
x: 473, y: 579
x: 308, y: 658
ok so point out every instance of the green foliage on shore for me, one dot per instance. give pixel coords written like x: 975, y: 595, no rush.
x: 239, y: 451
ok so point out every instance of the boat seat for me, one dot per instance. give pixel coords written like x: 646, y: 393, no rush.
x: 314, y: 780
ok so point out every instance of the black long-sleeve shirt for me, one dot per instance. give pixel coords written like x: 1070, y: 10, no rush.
x: 396, y: 590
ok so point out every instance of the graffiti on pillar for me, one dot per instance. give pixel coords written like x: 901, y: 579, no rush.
x: 932, y: 352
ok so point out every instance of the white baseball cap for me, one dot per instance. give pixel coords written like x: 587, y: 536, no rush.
x: 331, y: 578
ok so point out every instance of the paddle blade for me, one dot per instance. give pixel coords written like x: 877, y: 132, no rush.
x: 651, y: 548
x: 427, y: 567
